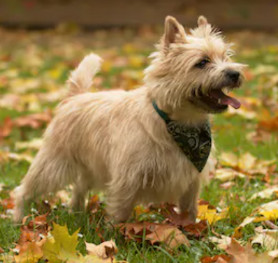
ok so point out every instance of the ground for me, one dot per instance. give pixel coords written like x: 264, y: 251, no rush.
x: 34, y: 66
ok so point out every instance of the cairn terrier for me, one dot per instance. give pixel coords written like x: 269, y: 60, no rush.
x: 151, y: 144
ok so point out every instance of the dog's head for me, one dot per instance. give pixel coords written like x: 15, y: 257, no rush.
x: 193, y: 68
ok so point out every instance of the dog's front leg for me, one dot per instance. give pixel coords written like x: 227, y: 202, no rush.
x: 188, y: 201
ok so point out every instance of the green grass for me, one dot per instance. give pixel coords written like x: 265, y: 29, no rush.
x: 230, y: 135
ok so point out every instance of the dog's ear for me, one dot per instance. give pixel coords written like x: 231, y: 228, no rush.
x: 173, y: 31
x: 204, y: 28
x: 202, y: 21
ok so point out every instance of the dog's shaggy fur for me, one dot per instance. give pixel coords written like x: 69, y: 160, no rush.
x: 115, y: 141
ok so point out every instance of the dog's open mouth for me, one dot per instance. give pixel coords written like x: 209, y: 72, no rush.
x: 218, y: 98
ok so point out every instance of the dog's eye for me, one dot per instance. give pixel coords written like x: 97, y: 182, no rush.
x: 202, y: 63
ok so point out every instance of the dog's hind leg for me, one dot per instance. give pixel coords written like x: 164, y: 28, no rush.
x: 48, y: 173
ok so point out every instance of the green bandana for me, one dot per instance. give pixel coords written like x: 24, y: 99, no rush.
x: 195, y: 142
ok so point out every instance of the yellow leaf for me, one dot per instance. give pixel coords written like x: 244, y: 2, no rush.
x: 228, y: 159
x: 227, y: 174
x: 61, y: 246
x: 211, y: 215
x: 247, y: 162
x: 30, y: 252
x: 267, y: 215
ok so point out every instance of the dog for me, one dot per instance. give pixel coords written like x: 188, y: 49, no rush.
x: 151, y: 144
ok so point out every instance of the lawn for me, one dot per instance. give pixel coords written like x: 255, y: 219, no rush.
x: 33, y: 69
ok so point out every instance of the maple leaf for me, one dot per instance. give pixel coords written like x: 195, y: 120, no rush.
x: 196, y: 229
x: 175, y: 218
x: 206, y: 212
x: 61, y: 246
x: 154, y: 233
x: 240, y: 254
x: 29, y: 252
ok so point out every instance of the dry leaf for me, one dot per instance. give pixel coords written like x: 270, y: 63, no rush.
x: 227, y: 174
x: 240, y: 254
x: 104, y: 250
x: 33, y: 144
x: 154, y: 233
x: 197, y: 229
x: 174, y: 217
x: 222, y: 242
x: 267, y: 193
x: 216, y: 259
x: 268, y: 238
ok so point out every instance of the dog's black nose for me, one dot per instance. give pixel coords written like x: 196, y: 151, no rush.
x: 233, y: 75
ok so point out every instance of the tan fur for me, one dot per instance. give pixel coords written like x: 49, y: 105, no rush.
x: 115, y: 141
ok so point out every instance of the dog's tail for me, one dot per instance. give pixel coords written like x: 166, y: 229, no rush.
x: 81, y: 78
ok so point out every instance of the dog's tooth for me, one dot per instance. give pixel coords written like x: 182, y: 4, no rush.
x: 219, y: 101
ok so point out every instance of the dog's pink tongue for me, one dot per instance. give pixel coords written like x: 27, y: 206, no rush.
x: 225, y: 99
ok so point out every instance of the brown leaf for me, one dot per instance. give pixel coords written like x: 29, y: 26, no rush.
x: 269, y: 123
x: 240, y: 254
x: 6, y: 128
x: 154, y: 233
x: 7, y: 203
x: 197, y: 229
x: 29, y: 252
x: 175, y: 218
x: 39, y: 223
x: 33, y: 120
x: 93, y: 204
x: 216, y: 258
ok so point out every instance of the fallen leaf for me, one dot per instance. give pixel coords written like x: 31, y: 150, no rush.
x: 7, y: 203
x: 33, y: 144
x: 104, y: 250
x: 222, y: 242
x: 267, y: 238
x: 210, y: 214
x: 197, y: 229
x: 267, y: 193
x: 227, y: 174
x: 268, y: 211
x: 240, y: 254
x: 33, y: 120
x: 154, y: 233
x: 174, y: 217
x: 244, y: 164
x: 6, y: 128
x: 61, y: 246
x: 269, y: 124
x: 29, y: 252
x: 216, y: 259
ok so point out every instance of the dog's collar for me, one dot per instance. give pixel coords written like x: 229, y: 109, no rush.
x: 195, y: 142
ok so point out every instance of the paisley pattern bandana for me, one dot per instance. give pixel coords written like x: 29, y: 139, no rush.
x: 195, y: 142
